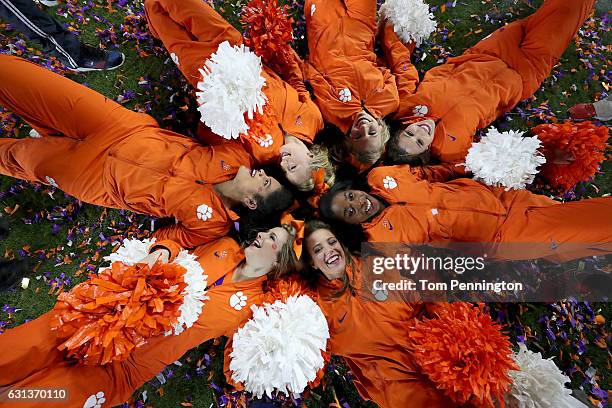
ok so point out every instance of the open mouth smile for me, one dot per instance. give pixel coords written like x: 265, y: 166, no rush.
x: 368, y: 205
x: 425, y: 127
x: 333, y: 260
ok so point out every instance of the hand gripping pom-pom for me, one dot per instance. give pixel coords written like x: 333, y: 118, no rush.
x: 584, y: 142
x: 105, y: 318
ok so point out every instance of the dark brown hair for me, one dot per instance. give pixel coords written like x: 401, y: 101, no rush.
x: 396, y: 155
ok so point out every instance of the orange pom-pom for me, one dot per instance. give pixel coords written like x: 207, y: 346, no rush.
x: 268, y: 31
x: 464, y: 353
x: 583, y: 141
x: 282, y: 289
x: 114, y: 312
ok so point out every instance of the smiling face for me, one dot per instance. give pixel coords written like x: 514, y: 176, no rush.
x: 326, y: 253
x: 365, y: 136
x: 295, y: 161
x: 264, y: 251
x: 354, y: 206
x: 417, y: 137
x: 249, y: 182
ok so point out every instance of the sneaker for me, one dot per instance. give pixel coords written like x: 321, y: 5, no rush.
x: 582, y: 111
x: 95, y: 59
x: 48, y: 3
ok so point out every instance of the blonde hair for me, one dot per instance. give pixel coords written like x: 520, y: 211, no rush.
x: 320, y: 160
x: 369, y: 157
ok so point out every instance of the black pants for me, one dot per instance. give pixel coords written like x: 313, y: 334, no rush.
x: 40, y: 27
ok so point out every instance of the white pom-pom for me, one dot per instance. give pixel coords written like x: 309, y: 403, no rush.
x: 411, y: 19
x: 194, y: 294
x: 280, y: 347
x: 538, y: 384
x: 505, y: 159
x: 231, y: 87
x: 131, y: 251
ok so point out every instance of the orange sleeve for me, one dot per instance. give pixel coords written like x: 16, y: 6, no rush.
x: 229, y: 347
x: 191, y: 237
x: 170, y: 245
x: 397, y: 57
x: 439, y: 172
x: 200, y: 214
x: 293, y: 75
x: 361, y: 10
x: 265, y: 154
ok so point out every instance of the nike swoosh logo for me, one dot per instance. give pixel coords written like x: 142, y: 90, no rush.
x: 390, y: 225
x: 340, y: 320
x: 453, y: 138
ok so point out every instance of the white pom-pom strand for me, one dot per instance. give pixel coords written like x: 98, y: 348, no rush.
x: 538, y: 384
x: 505, y: 159
x: 194, y: 293
x: 131, y: 251
x: 411, y: 19
x: 231, y: 87
x: 279, y: 348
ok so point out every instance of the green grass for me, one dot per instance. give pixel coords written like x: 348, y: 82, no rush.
x: 32, y: 223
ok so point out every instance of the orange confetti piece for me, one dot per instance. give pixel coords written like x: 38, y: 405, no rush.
x: 11, y: 211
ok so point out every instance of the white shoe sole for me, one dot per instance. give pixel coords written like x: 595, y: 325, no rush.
x: 48, y: 3
x: 81, y: 69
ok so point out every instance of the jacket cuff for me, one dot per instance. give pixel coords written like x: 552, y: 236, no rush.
x: 170, y: 245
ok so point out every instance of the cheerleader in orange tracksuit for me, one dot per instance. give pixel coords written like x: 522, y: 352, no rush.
x: 415, y: 205
x: 236, y: 277
x: 468, y: 92
x: 353, y: 92
x: 103, y: 154
x: 191, y: 31
x: 370, y: 335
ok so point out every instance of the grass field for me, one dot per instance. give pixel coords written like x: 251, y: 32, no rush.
x: 69, y: 238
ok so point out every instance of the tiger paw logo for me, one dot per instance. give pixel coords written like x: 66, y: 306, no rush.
x: 389, y: 183
x: 298, y: 120
x: 95, y: 401
x: 420, y: 110
x: 387, y: 224
x: 345, y: 95
x: 204, y: 212
x: 221, y: 254
x: 380, y: 294
x: 225, y: 166
x: 238, y: 300
x: 266, y: 141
